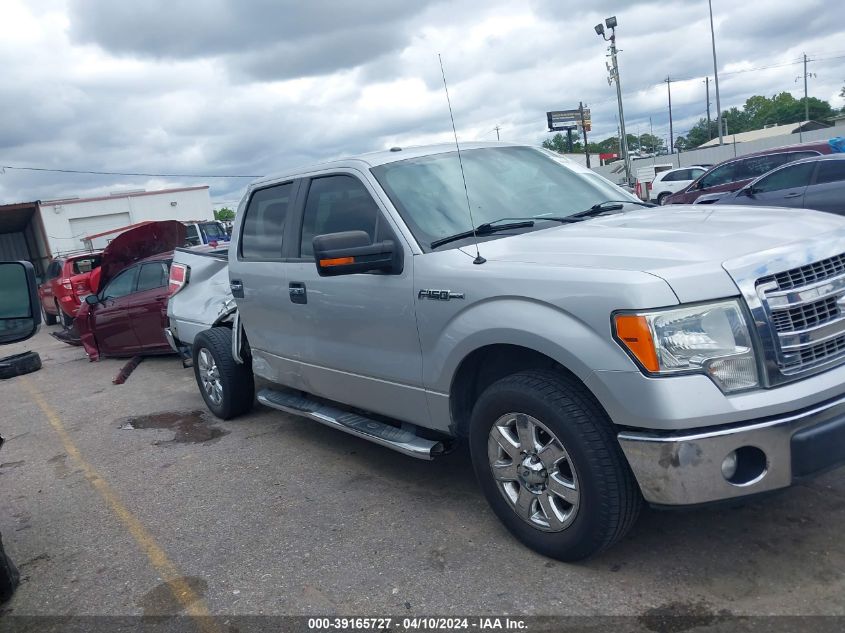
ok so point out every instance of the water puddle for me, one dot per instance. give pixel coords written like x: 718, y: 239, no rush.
x: 189, y: 427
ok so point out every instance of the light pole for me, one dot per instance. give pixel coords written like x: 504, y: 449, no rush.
x: 614, y: 76
x: 716, y: 74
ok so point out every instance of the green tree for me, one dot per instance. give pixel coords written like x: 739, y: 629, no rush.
x: 558, y: 143
x: 757, y: 112
x: 224, y: 214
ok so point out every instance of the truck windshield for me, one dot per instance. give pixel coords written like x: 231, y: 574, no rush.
x: 502, y: 182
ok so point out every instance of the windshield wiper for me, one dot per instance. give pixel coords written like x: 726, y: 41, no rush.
x: 608, y: 205
x: 485, y: 229
x: 525, y: 222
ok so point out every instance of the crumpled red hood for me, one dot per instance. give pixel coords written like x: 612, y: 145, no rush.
x: 142, y: 241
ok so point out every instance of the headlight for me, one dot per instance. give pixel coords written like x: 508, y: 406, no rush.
x: 711, y: 339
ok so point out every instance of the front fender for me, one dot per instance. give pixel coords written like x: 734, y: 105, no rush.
x: 523, y: 322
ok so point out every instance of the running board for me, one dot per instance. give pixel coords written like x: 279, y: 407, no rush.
x: 398, y: 439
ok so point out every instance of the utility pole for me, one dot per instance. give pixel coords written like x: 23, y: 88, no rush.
x: 709, y: 130
x: 716, y: 74
x: 671, y: 131
x: 806, y: 101
x: 584, y: 129
x: 497, y: 133
x: 651, y: 134
x: 613, y: 70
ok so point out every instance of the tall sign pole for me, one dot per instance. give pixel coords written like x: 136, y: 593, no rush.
x: 584, y: 129
x: 709, y: 130
x: 716, y: 74
x: 671, y: 130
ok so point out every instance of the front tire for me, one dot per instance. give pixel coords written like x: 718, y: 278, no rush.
x: 661, y: 199
x: 549, y: 464
x: 226, y: 386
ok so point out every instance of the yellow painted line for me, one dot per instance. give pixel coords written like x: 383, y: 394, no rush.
x: 193, y: 604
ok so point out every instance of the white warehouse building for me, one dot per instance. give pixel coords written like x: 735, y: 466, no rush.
x: 66, y: 222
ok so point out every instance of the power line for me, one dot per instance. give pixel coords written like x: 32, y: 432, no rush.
x: 120, y: 173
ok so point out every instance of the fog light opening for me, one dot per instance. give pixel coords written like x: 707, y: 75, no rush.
x: 744, y: 466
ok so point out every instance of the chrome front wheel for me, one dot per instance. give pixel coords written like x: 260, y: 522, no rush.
x: 209, y: 376
x: 533, y: 471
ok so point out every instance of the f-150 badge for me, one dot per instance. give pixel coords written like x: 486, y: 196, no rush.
x: 440, y: 295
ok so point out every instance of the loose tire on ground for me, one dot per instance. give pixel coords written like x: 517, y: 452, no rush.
x: 607, y: 501
x: 9, y: 575
x: 19, y: 364
x: 226, y: 386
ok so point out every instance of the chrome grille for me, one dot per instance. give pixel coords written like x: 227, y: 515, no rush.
x: 806, y: 316
x: 804, y: 305
x: 811, y: 273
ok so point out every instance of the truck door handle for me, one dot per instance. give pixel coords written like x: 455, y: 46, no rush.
x: 297, y: 292
x: 237, y: 288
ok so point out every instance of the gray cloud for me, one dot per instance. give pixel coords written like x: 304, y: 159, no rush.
x: 252, y: 88
x: 265, y: 39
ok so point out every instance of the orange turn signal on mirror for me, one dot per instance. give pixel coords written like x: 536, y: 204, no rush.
x: 634, y: 333
x: 337, y: 261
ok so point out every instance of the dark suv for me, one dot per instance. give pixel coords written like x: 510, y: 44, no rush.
x: 735, y: 173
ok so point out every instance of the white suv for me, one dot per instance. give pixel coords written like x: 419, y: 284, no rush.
x: 668, y: 182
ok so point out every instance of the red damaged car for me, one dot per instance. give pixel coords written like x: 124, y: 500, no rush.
x: 128, y: 313
x: 65, y: 286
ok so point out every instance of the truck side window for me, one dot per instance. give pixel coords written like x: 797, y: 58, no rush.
x: 336, y: 204
x: 264, y: 223
x: 191, y: 235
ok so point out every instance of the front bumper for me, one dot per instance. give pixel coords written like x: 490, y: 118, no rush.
x: 685, y: 467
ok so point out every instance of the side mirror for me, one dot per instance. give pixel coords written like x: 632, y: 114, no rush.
x: 749, y: 191
x: 699, y: 185
x: 351, y: 252
x: 20, y: 310
x: 92, y: 300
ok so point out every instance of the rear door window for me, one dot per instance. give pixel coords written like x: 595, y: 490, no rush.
x: 830, y: 171
x: 790, y: 177
x: 153, y: 275
x: 121, y: 285
x: 756, y: 166
x: 264, y: 223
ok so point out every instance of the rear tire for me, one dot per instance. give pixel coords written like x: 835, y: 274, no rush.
x: 227, y: 387
x: 562, y: 485
x: 66, y: 321
x: 661, y: 199
x: 49, y: 319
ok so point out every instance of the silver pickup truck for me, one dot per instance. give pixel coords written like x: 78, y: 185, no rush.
x: 591, y: 350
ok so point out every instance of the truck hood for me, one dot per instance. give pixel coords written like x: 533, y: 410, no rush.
x: 143, y: 241
x: 686, y: 245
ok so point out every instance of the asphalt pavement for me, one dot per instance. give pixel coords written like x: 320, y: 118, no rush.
x: 131, y: 499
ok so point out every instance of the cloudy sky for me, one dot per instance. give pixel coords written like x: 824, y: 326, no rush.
x: 247, y: 87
